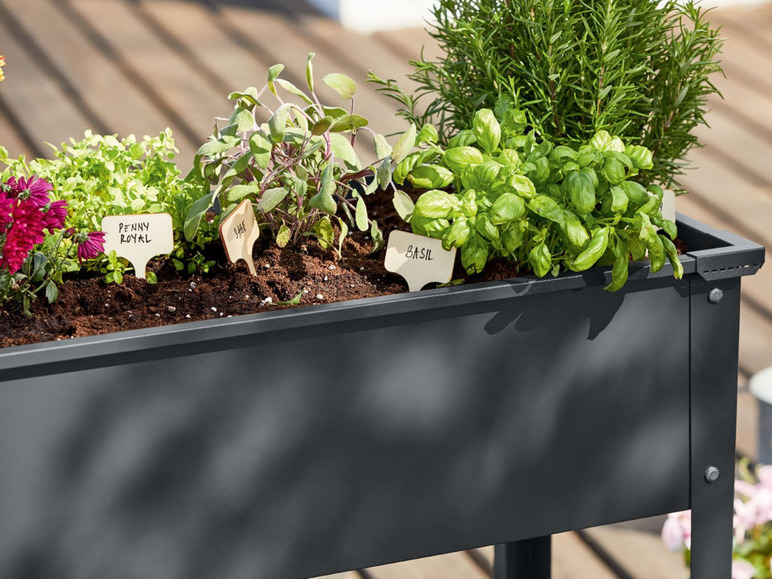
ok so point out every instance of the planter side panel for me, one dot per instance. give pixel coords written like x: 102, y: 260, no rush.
x: 356, y: 444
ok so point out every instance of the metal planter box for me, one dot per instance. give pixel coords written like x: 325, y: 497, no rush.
x: 302, y: 442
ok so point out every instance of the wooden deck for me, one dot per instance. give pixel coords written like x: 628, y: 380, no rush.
x: 137, y: 66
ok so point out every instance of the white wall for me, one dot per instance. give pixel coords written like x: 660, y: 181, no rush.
x: 372, y: 15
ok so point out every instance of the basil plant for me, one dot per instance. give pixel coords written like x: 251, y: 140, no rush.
x: 548, y: 208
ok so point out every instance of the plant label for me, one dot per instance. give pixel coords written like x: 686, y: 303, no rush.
x: 668, y: 205
x: 238, y: 232
x: 138, y: 238
x: 420, y: 260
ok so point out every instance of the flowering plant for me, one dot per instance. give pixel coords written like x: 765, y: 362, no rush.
x: 26, y: 214
x: 2, y: 64
x: 752, y: 551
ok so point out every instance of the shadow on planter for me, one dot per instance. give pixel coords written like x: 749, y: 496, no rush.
x: 303, y: 442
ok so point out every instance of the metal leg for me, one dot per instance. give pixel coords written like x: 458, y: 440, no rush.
x: 713, y: 408
x: 529, y: 559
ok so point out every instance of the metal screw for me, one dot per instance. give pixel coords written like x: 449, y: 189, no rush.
x: 715, y: 295
x: 711, y: 475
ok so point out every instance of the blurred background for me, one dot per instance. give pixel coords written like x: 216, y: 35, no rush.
x: 139, y: 66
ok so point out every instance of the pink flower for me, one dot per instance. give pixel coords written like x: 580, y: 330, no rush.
x: 55, y: 216
x: 90, y: 245
x: 34, y: 189
x: 25, y: 231
x: 6, y: 210
x: 677, y: 531
x: 742, y: 570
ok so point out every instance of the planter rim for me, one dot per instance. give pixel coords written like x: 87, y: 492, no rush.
x: 726, y: 255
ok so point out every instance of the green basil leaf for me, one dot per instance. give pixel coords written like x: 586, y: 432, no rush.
x: 672, y: 255
x: 430, y: 177
x: 486, y: 129
x: 574, y: 231
x: 594, y: 250
x: 474, y: 254
x: 427, y: 134
x: 547, y: 208
x: 457, y: 234
x: 463, y: 138
x: 641, y: 157
x: 434, y: 205
x: 540, y: 260
x: 620, y: 269
x: 508, y: 207
x: 460, y: 158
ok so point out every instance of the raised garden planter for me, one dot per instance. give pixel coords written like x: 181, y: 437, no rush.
x: 303, y: 442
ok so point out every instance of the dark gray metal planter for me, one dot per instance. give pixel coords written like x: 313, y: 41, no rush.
x: 309, y: 441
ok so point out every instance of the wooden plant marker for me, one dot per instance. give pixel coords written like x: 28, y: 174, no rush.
x: 238, y: 232
x: 420, y: 260
x: 138, y: 238
x: 668, y: 205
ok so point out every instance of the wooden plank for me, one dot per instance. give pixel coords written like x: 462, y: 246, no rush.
x: 176, y: 82
x: 741, y: 58
x: 571, y: 559
x: 284, y: 42
x: 644, y: 554
x: 112, y: 97
x: 191, y: 26
x: 360, y: 52
x: 35, y: 98
x: 747, y: 207
x: 747, y: 423
x: 738, y: 148
x: 450, y: 566
x: 10, y: 137
x: 409, y: 42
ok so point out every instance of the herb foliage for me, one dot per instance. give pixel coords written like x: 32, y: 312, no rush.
x: 635, y: 68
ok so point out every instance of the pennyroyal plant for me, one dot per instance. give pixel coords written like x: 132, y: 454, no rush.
x: 102, y: 175
x: 299, y: 168
x: 549, y: 208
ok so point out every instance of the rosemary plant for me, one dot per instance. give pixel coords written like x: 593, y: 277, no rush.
x: 639, y: 69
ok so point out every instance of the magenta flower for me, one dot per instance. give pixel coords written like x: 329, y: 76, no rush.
x: 25, y: 231
x: 90, y: 245
x: 33, y: 188
x: 55, y: 216
x: 6, y: 210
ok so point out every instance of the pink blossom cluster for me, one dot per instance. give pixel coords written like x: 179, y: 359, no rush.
x: 26, y: 211
x: 752, y: 508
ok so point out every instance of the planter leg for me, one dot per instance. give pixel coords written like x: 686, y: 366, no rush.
x: 713, y: 408
x: 529, y: 559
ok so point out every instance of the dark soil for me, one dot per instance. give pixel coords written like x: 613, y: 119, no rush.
x: 89, y: 306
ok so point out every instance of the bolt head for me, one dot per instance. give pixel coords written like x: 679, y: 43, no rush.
x: 715, y: 295
x: 712, y: 474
